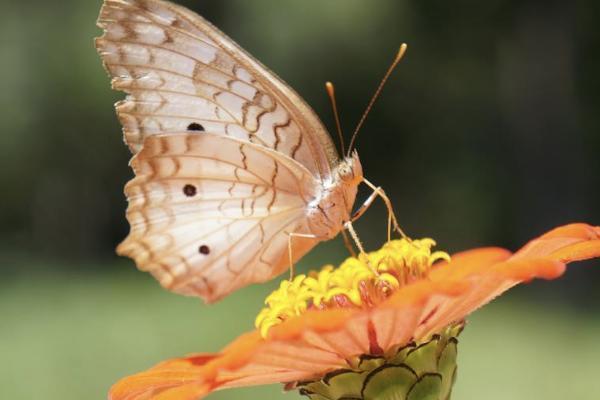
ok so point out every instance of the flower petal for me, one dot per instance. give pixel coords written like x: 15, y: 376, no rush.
x: 467, y: 263
x: 544, y: 257
x: 179, y: 379
x: 319, y: 341
x: 573, y: 242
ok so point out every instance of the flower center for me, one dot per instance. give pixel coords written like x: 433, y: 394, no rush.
x: 362, y: 281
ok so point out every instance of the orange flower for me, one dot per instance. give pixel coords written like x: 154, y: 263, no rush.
x: 317, y: 327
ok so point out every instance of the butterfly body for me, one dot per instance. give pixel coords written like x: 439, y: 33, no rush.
x: 328, y: 212
x: 230, y: 163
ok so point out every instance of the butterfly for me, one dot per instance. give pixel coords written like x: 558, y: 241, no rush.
x: 236, y: 177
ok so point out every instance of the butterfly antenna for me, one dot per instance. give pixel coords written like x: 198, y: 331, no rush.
x: 399, y: 56
x: 331, y: 94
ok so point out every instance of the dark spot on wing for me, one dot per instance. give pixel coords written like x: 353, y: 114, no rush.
x: 204, y: 249
x: 189, y: 190
x: 194, y: 126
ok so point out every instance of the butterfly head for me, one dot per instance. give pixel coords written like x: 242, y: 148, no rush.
x: 349, y: 170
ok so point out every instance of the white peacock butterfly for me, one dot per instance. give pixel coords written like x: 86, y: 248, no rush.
x: 235, y: 175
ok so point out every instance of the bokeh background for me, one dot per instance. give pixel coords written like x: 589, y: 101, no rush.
x: 488, y: 133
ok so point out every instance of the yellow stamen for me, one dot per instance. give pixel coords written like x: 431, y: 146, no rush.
x: 358, y: 282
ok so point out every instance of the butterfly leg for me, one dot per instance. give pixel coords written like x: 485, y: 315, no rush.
x: 348, y: 243
x: 292, y: 235
x: 378, y: 192
x: 348, y: 225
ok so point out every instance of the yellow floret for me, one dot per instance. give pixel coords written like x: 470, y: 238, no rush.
x: 388, y: 266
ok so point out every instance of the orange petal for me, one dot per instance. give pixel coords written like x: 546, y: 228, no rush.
x: 179, y: 379
x: 544, y: 257
x: 578, y: 251
x: 573, y: 242
x: 467, y: 263
x: 189, y: 391
x: 317, y: 342
x: 319, y: 321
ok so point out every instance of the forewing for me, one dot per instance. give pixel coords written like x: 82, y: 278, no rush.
x: 210, y: 214
x: 181, y: 73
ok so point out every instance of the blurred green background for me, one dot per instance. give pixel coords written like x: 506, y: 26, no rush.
x: 488, y: 133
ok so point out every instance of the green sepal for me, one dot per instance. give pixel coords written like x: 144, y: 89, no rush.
x: 398, y: 356
x: 415, y: 371
x: 389, y: 382
x: 428, y: 387
x: 423, y: 358
x: 335, y: 385
x: 369, y: 363
x: 447, y: 367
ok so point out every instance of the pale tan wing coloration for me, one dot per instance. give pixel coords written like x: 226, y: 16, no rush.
x: 180, y: 70
x: 210, y: 214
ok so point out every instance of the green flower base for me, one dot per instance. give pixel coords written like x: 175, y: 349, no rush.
x: 417, y: 371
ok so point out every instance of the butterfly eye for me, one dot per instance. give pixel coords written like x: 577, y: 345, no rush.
x: 189, y: 190
x: 194, y: 126
x: 346, y: 172
x: 204, y: 249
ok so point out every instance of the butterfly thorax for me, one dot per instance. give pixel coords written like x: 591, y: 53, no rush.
x: 333, y: 205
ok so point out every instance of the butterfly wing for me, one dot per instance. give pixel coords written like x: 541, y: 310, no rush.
x: 210, y: 214
x: 184, y: 77
x: 181, y: 73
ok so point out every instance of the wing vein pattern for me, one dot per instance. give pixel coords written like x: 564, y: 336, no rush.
x: 210, y: 213
x: 151, y: 48
x: 228, y: 159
